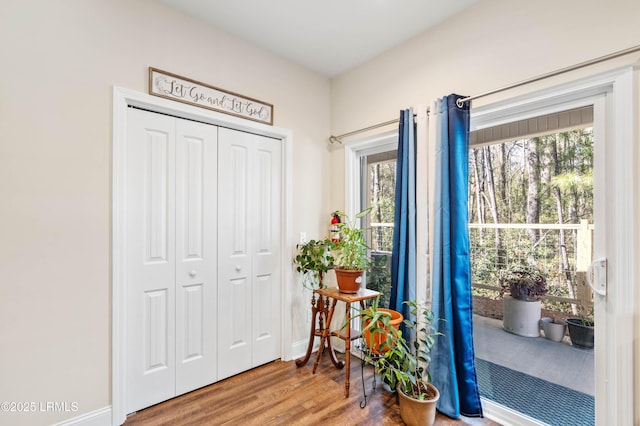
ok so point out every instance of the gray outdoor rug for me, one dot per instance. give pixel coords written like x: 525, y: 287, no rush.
x: 537, y: 398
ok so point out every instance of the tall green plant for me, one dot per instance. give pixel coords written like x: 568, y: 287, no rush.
x: 406, y: 359
x: 352, y: 251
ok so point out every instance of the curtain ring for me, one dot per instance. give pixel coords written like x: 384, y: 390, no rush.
x: 460, y: 102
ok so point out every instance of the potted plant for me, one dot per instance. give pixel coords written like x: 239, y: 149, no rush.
x: 554, y: 329
x: 404, y: 364
x: 351, y: 253
x: 581, y: 332
x: 313, y: 260
x: 521, y: 307
x: 376, y: 322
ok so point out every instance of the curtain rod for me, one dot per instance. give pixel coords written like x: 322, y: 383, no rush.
x: 461, y: 101
x: 336, y: 139
x: 610, y: 56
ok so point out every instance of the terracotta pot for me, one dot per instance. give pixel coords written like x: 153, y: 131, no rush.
x: 348, y: 280
x: 374, y: 340
x: 418, y: 413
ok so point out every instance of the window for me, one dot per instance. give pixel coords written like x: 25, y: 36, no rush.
x: 378, y: 187
x: 371, y: 176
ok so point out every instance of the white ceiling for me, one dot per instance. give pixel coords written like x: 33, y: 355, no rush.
x: 328, y: 36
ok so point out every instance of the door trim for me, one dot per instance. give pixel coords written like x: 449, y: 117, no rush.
x: 123, y: 99
x: 612, y: 95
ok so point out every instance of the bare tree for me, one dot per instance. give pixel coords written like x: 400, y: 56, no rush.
x: 553, y: 139
x: 533, y: 188
x: 493, y: 205
x: 478, y: 174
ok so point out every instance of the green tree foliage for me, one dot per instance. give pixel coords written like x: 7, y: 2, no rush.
x: 381, y: 177
x: 382, y: 188
x: 573, y: 175
x: 546, y: 179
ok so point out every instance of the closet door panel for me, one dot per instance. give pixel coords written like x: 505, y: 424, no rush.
x: 250, y: 246
x: 234, y: 266
x: 196, y: 248
x: 266, y: 300
x: 150, y: 274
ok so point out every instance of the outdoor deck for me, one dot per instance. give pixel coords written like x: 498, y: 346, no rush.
x: 521, y: 373
x: 558, y: 363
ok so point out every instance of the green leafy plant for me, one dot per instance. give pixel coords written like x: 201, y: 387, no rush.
x: 403, y: 361
x: 352, y: 251
x: 375, y: 330
x: 313, y: 260
x: 586, y: 321
x: 523, y: 282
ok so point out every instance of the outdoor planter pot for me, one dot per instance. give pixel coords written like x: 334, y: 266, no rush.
x: 580, y: 332
x: 522, y: 306
x: 553, y: 331
x: 521, y: 317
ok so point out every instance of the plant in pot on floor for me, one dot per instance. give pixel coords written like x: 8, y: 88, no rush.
x: 522, y: 307
x: 404, y: 361
x: 581, y: 331
x: 554, y: 329
x: 351, y: 253
x: 313, y: 260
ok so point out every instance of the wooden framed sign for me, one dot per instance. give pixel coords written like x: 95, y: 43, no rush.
x: 182, y: 89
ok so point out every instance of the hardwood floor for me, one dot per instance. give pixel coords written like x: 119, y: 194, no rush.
x: 279, y: 393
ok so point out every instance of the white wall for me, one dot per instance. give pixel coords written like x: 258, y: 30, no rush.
x: 60, y: 61
x: 491, y: 45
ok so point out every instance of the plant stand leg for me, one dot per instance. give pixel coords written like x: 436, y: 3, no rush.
x: 323, y: 339
x: 328, y: 314
x: 317, y: 309
x: 347, y: 351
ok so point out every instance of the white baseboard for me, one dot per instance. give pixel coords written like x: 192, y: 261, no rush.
x: 299, y: 348
x: 100, y: 417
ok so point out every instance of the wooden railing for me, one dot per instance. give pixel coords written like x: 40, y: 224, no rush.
x: 582, y: 303
x: 583, y: 256
x: 583, y: 250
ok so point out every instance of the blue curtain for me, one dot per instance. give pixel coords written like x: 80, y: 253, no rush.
x: 452, y: 358
x: 403, y: 258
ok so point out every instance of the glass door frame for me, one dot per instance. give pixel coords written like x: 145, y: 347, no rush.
x: 612, y: 97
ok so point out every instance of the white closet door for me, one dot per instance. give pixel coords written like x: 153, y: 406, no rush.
x: 196, y: 254
x: 151, y: 263
x: 172, y: 258
x: 267, y: 286
x: 249, y: 213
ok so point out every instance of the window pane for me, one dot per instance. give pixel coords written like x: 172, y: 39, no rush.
x: 379, y: 190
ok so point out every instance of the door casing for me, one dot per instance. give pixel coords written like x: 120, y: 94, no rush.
x: 615, y: 201
x: 123, y: 99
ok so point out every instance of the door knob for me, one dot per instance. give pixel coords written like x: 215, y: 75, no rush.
x: 238, y: 268
x: 192, y: 273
